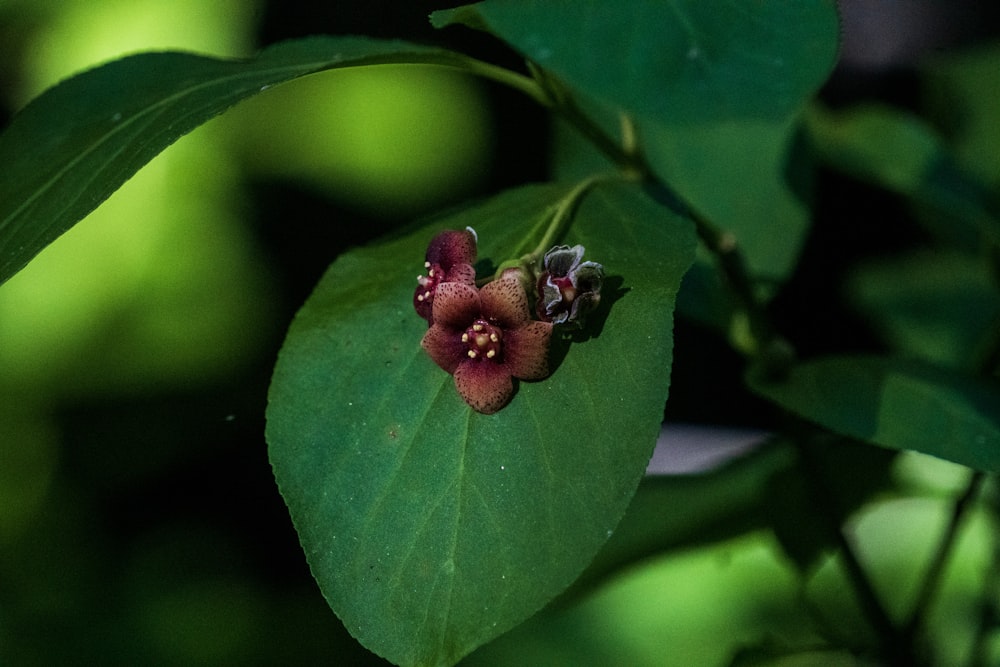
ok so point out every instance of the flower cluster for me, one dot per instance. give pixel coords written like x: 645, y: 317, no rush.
x: 485, y: 337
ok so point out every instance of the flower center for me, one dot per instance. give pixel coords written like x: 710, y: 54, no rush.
x: 483, y: 340
x: 566, y: 288
x: 429, y: 282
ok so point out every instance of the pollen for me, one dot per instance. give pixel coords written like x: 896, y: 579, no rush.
x: 494, y: 338
x: 472, y: 354
x: 491, y: 354
x: 465, y: 338
x: 477, y: 327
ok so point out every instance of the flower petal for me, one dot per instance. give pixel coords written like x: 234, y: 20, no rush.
x: 526, y: 350
x: 483, y: 384
x: 452, y: 247
x: 456, y: 305
x: 505, y: 302
x: 461, y: 273
x: 444, y: 346
x: 589, y: 277
x: 561, y: 260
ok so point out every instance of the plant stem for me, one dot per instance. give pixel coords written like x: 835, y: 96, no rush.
x: 725, y: 248
x: 893, y: 645
x: 932, y: 579
x: 561, y: 217
x: 989, y: 609
x: 481, y: 68
x: 766, y: 346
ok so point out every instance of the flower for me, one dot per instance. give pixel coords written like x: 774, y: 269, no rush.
x: 449, y: 258
x: 486, y: 338
x: 568, y: 289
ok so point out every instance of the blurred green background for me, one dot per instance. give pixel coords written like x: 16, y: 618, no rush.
x: 139, y: 523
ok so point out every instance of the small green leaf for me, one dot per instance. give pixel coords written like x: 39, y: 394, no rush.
x: 904, y: 154
x: 954, y: 87
x: 678, y: 61
x: 75, y: 144
x: 430, y: 528
x: 888, y: 146
x: 942, y: 307
x: 899, y: 404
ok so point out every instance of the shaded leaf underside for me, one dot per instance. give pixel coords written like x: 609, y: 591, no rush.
x: 896, y: 403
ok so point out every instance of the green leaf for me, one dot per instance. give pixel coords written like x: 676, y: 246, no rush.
x: 734, y: 173
x: 764, y: 488
x: 895, y: 403
x: 675, y: 512
x: 715, y: 89
x: 74, y: 145
x: 832, y: 476
x: 942, y: 307
x: 955, y: 86
x: 680, y: 61
x: 904, y: 154
x: 431, y: 528
x: 770, y: 652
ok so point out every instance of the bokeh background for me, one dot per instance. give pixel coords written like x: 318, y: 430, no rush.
x: 139, y: 522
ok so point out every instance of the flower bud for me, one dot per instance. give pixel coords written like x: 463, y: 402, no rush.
x: 568, y: 288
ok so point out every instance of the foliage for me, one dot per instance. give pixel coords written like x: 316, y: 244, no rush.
x: 432, y: 529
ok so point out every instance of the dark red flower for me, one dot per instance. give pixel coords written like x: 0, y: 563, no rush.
x: 486, y: 338
x: 449, y: 258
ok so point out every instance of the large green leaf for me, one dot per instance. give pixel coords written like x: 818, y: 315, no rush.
x: 896, y: 403
x: 680, y: 61
x: 74, y: 145
x: 715, y: 88
x: 432, y: 528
